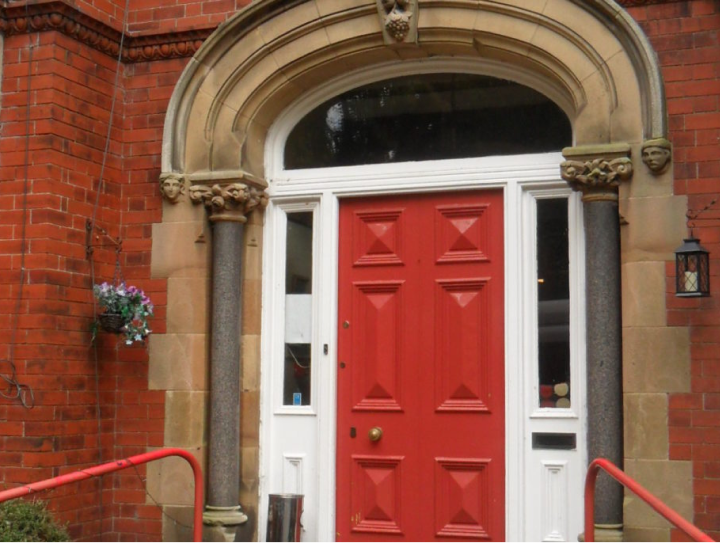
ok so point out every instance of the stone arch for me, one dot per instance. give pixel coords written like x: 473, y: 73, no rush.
x: 587, y: 55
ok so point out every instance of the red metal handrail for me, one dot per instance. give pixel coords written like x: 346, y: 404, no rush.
x: 118, y: 465
x: 616, y: 473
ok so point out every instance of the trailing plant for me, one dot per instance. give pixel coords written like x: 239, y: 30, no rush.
x: 130, y: 305
x: 22, y: 520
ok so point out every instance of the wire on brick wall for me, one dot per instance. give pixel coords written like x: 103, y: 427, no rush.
x: 14, y: 389
x: 91, y: 228
x: 693, y: 216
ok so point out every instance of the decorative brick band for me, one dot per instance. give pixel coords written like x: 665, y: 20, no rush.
x: 61, y: 17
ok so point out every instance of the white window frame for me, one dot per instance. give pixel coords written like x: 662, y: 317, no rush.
x: 522, y: 178
x: 277, y: 301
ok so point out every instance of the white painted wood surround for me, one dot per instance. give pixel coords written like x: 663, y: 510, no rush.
x: 297, y: 444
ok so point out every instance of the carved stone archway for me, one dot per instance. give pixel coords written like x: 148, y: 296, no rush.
x: 588, y: 56
x: 591, y: 56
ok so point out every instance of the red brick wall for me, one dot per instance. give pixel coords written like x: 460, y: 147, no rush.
x: 70, y: 102
x: 72, y: 86
x: 686, y: 36
x: 176, y: 15
x: 71, y: 99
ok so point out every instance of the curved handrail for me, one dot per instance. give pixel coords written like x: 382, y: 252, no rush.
x: 616, y: 473
x: 118, y: 465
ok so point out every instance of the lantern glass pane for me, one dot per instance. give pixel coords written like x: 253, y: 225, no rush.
x: 692, y: 273
x: 703, y: 264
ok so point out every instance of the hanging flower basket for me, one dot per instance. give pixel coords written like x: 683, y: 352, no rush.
x: 126, y: 310
x: 112, y: 322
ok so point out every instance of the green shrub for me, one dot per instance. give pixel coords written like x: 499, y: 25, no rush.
x: 22, y: 520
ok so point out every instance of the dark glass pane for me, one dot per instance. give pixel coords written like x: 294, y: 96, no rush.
x: 298, y: 263
x: 296, y: 389
x: 427, y: 117
x: 298, y: 308
x: 553, y: 302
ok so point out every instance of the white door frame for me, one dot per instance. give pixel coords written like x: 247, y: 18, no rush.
x: 522, y: 178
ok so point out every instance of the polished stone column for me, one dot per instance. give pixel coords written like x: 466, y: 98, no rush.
x: 228, y: 206
x: 597, y: 171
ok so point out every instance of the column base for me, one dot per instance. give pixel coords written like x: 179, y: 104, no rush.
x: 606, y: 533
x: 219, y: 534
x: 224, y: 516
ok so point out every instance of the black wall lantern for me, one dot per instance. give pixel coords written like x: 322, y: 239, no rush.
x: 692, y: 268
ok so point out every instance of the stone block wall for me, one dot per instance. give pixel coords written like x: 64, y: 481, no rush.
x: 672, y: 408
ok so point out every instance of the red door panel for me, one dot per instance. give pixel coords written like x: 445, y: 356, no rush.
x: 421, y: 357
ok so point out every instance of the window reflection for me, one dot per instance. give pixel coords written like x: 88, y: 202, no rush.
x: 298, y: 308
x: 427, y: 117
x: 553, y: 302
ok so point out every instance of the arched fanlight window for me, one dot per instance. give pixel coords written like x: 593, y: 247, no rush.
x: 427, y: 117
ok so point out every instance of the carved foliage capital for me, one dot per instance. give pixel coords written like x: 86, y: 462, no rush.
x: 399, y: 20
x: 599, y: 174
x: 228, y: 202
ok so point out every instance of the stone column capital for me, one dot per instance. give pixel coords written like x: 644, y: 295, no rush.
x: 597, y: 170
x: 229, y: 201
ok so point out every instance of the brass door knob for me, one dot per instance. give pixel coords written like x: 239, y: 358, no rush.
x: 375, y: 434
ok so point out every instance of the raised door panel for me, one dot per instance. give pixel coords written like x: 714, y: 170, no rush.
x: 461, y: 233
x: 377, y: 486
x: 377, y: 346
x: 377, y: 237
x: 461, y: 354
x: 462, y: 497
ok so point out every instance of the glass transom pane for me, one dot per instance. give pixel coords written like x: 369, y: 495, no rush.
x: 427, y: 117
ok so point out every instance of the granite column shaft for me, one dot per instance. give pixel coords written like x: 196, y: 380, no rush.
x: 224, y: 450
x: 604, y: 352
x: 228, y: 205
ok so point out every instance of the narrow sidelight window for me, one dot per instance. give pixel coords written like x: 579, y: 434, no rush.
x: 553, y: 278
x: 298, y: 308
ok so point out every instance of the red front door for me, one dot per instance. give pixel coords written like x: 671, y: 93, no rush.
x: 421, y: 361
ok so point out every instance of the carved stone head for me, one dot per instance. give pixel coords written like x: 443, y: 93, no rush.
x: 172, y: 186
x: 657, y: 154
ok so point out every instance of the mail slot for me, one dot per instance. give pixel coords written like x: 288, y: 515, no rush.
x: 564, y: 442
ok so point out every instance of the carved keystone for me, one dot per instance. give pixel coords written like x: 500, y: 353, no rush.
x: 399, y: 21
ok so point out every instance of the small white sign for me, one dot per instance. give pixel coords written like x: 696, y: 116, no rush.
x: 298, y: 318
